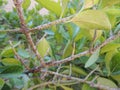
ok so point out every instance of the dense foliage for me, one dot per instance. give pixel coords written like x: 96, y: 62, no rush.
x: 93, y: 21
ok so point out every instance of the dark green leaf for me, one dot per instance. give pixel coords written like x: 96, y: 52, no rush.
x: 11, y: 69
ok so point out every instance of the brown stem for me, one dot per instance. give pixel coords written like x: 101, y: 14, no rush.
x: 18, y: 57
x: 24, y: 29
x: 47, y: 25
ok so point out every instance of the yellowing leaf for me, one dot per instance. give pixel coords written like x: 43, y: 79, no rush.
x: 93, y: 58
x: 10, y: 61
x: 109, y: 47
x: 51, y: 5
x: 106, y: 82
x: 43, y: 47
x: 92, y: 19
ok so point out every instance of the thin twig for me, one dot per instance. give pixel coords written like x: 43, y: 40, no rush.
x: 82, y: 81
x: 91, y: 73
x: 59, y: 67
x: 52, y: 82
x: 18, y: 57
x: 47, y: 25
x: 11, y: 31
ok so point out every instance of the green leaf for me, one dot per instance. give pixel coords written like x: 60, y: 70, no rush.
x: 10, y: 61
x: 77, y: 70
x: 87, y: 87
x: 43, y: 47
x: 116, y: 77
x: 51, y: 5
x: 82, y: 34
x: 68, y: 49
x: 108, y: 3
x: 106, y: 82
x: 23, y: 53
x: 110, y: 47
x: 8, y: 52
x: 66, y: 88
x: 115, y: 64
x: 112, y: 11
x: 108, y: 58
x: 64, y: 7
x: 92, y: 19
x: 26, y: 3
x: 11, y: 69
x: 93, y: 58
x: 2, y: 82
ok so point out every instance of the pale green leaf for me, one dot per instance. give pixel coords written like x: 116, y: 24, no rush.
x: 43, y: 47
x: 10, y: 61
x: 92, y: 19
x: 106, y: 82
x: 51, y: 5
x: 93, y: 58
x: 26, y: 4
x: 2, y: 82
x: 109, y: 47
